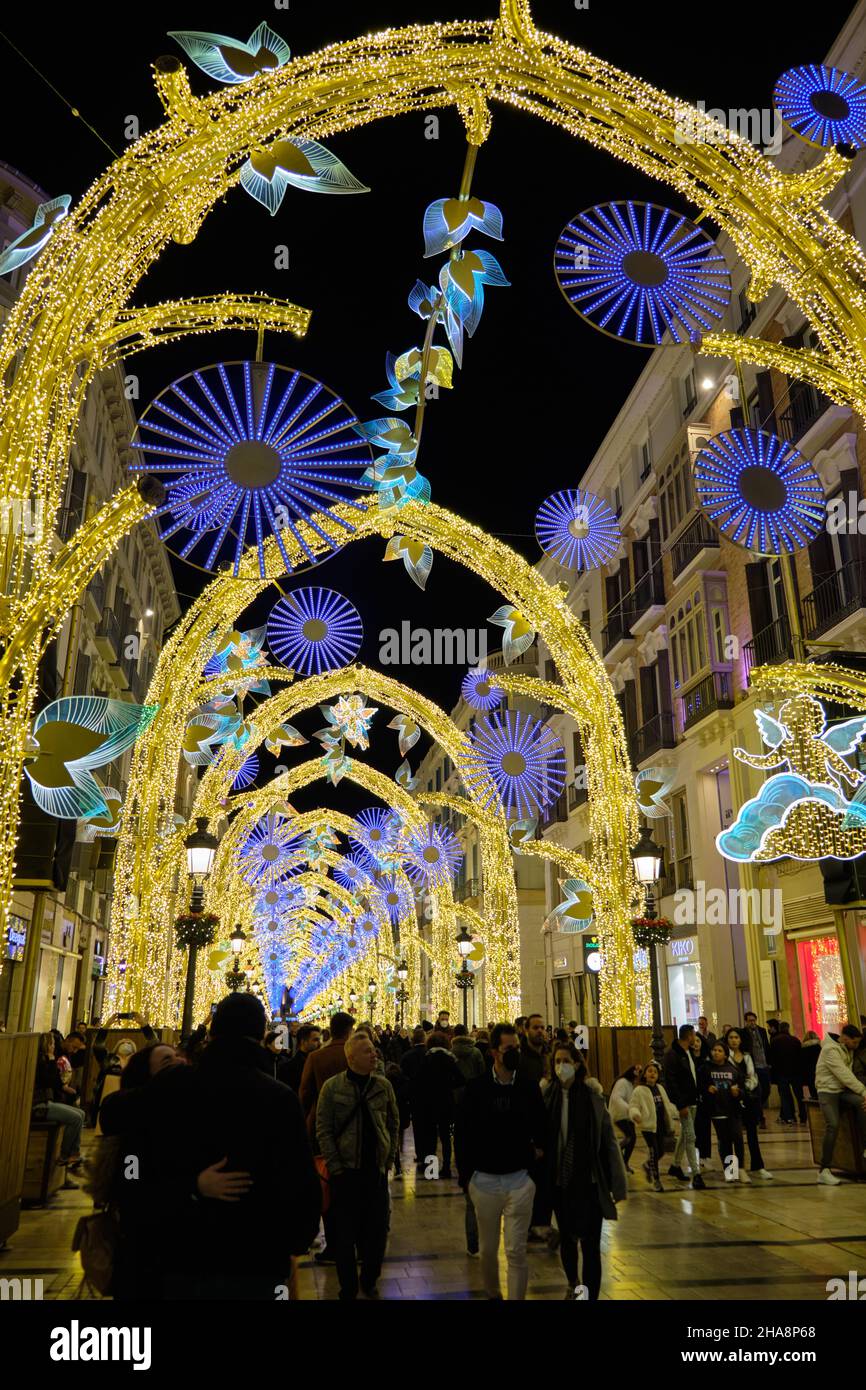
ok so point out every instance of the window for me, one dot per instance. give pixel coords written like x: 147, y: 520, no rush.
x: 646, y: 458
x: 747, y: 310
x: 438, y: 779
x: 681, y: 844
x: 688, y: 641
x: 689, y: 392
x: 675, y: 493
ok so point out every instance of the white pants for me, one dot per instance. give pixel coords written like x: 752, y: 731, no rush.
x: 494, y: 1208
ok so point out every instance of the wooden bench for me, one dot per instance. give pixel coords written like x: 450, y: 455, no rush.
x: 848, y: 1152
x: 43, y: 1172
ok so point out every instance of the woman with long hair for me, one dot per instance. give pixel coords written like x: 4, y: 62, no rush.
x: 739, y: 1052
x: 655, y: 1116
x: 618, y: 1109
x: 49, y: 1103
x: 585, y: 1169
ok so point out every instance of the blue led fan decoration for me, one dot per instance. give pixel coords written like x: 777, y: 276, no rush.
x: 637, y: 271
x: 824, y: 106
x: 578, y: 530
x: 246, y: 773
x: 479, y: 690
x: 760, y: 491
x: 248, y: 450
x: 433, y: 856
x: 377, y: 835
x: 314, y: 630
x: 515, y: 759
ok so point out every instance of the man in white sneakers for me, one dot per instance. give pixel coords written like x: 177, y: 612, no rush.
x: 837, y: 1086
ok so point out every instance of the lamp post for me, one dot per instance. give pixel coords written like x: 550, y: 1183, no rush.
x: 200, y: 847
x: 236, y: 976
x: 371, y: 995
x: 353, y: 1000
x: 465, y: 978
x: 648, y: 859
x: 402, y: 994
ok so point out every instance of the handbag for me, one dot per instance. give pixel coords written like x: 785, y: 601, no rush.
x: 95, y: 1240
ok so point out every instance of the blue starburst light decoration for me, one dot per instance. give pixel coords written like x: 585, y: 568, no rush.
x: 247, y: 773
x: 433, y: 855
x: 638, y: 271
x: 263, y: 857
x: 248, y: 450
x: 760, y: 491
x: 514, y: 758
x: 578, y: 530
x: 315, y: 630
x: 377, y: 834
x: 392, y: 893
x: 824, y: 106
x: 479, y: 690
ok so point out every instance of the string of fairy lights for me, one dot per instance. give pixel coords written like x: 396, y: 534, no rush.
x: 72, y: 318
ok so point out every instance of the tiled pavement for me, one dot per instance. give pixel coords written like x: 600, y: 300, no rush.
x: 767, y: 1241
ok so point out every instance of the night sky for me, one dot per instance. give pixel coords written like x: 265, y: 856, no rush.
x: 539, y: 388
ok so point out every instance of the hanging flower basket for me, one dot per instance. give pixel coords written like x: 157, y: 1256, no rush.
x: 195, y: 929
x: 651, y: 931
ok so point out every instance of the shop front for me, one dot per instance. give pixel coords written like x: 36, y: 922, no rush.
x: 823, y: 993
x: 682, y: 1001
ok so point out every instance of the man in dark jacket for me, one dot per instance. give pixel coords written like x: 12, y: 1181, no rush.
x: 410, y: 1065
x: 227, y: 1111
x: 321, y: 1065
x: 785, y: 1051
x: 499, y: 1133
x: 437, y: 1080
x: 291, y: 1069
x: 534, y: 1050
x: 758, y: 1043
x: 681, y: 1084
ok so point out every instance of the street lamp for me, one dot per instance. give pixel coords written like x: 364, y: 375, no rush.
x: 200, y: 847
x: 402, y: 994
x: 465, y: 944
x: 465, y: 980
x: 648, y: 859
x: 237, y: 976
x: 371, y: 995
x: 353, y: 999
x: 237, y: 940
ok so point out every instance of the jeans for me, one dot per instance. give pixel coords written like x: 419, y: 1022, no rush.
x: 510, y: 1208
x: 72, y: 1120
x: 627, y: 1128
x: 654, y: 1150
x: 729, y: 1136
x: 430, y: 1127
x: 586, y: 1232
x: 686, y: 1143
x: 359, y: 1227
x: 831, y: 1103
x: 471, y: 1222
x: 786, y: 1098
x: 751, y: 1114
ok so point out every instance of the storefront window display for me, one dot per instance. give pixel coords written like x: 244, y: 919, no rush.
x: 685, y: 998
x: 825, y: 1007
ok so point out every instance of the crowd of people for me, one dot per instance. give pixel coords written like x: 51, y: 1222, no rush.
x: 221, y: 1162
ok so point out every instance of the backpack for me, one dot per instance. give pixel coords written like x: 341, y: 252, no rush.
x: 95, y: 1240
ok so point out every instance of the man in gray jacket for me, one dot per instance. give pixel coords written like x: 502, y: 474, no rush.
x: 837, y: 1085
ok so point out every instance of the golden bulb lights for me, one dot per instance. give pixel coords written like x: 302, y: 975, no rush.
x: 73, y: 317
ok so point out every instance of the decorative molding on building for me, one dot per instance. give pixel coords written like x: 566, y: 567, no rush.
x: 831, y: 462
x: 645, y: 513
x: 620, y: 674
x: 654, y: 642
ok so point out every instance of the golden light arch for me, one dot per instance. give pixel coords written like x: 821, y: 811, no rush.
x: 72, y: 316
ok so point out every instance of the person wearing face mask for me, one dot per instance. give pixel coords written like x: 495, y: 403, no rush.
x: 585, y: 1168
x: 499, y: 1134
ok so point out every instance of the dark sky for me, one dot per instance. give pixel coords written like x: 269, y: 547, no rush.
x: 539, y: 388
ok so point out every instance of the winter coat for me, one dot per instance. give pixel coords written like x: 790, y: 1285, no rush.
x: 834, y: 1072
x: 642, y: 1110
x: 320, y: 1066
x: 723, y: 1076
x: 808, y: 1059
x: 533, y: 1065
x: 785, y: 1055
x: 620, y: 1097
x: 468, y: 1058
x: 438, y: 1078
x: 680, y: 1076
x: 606, y: 1161
x: 339, y: 1124
x: 498, y: 1126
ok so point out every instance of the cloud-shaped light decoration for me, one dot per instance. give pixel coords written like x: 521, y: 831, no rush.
x: 578, y: 530
x: 638, y: 271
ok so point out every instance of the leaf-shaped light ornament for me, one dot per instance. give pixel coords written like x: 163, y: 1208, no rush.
x: 462, y: 282
x: 304, y: 164
x: 29, y: 243
x: 351, y: 718
x: 230, y: 60
x: 106, y: 824
x: 448, y: 220
x: 71, y: 738
x: 403, y: 777
x: 652, y: 785
x: 519, y: 634
x: 336, y: 765
x: 440, y: 366
x: 408, y: 732
x: 403, y: 391
x: 574, y: 913
x: 522, y: 833
x: 416, y: 556
x: 391, y: 434
x: 396, y: 481
x: 286, y: 736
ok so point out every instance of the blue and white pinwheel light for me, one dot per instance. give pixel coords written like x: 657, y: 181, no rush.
x: 638, y: 271
x: 760, y: 491
x: 515, y: 759
x: 578, y: 530
x: 246, y: 773
x: 393, y: 895
x: 433, y: 855
x: 315, y: 630
x: 377, y: 836
x: 824, y: 106
x: 249, y: 450
x: 266, y: 854
x: 479, y: 689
